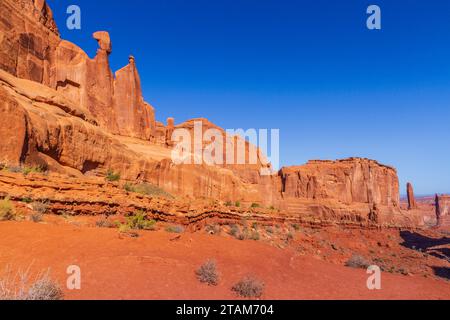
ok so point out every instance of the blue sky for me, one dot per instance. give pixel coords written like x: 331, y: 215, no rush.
x: 310, y: 68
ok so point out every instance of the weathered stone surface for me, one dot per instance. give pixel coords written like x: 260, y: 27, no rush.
x: 28, y: 37
x: 135, y: 117
x: 348, y: 181
x: 442, y: 207
x: 76, y: 118
x: 411, y: 199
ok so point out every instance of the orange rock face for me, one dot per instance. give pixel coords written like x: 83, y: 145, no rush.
x: 348, y: 181
x: 411, y: 199
x: 443, y: 209
x: 62, y: 110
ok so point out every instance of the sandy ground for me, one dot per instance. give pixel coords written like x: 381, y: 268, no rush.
x: 154, y: 266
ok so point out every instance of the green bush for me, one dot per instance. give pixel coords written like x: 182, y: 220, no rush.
x: 237, y: 204
x: 112, y: 176
x: 147, y: 189
x: 36, y: 169
x: 140, y: 222
x: 255, y: 205
x: 7, y: 210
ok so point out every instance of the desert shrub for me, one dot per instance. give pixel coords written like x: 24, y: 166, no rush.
x: 296, y: 227
x: 105, y: 223
x: 234, y: 230
x: 357, y: 261
x: 147, y: 189
x: 269, y: 230
x: 272, y: 208
x: 139, y: 221
x: 255, y: 205
x: 228, y: 204
x: 237, y: 204
x: 249, y: 287
x: 289, y: 236
x: 254, y: 236
x: 112, y: 176
x: 7, y: 210
x: 208, y: 273
x: 40, y: 207
x: 175, y: 229
x: 36, y: 217
x: 14, y: 169
x: 34, y: 169
x: 213, y: 229
x: 27, y: 200
x: 20, y: 287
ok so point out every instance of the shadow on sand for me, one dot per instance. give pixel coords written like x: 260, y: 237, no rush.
x: 431, y: 246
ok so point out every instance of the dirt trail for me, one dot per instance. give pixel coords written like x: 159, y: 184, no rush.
x: 154, y: 267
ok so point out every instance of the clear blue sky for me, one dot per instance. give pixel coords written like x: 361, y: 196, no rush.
x: 310, y: 68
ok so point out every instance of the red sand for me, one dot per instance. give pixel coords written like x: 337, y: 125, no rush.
x: 154, y: 267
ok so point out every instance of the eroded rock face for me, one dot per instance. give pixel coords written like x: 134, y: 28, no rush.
x: 442, y: 207
x: 30, y: 48
x: 65, y: 111
x: 411, y: 199
x: 348, y: 181
x: 28, y: 37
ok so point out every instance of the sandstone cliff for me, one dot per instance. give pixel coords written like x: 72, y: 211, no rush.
x: 61, y: 110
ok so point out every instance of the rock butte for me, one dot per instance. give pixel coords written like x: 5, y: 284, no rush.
x: 70, y: 113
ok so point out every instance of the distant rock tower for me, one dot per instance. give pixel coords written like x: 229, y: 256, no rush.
x: 411, y: 199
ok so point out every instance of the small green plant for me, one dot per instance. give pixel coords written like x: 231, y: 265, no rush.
x: 208, y: 273
x: 255, y: 205
x: 228, y: 204
x: 139, y: 221
x: 7, y: 210
x: 249, y: 287
x: 175, y: 229
x: 296, y: 227
x: 36, y: 169
x: 147, y: 189
x: 237, y: 204
x: 112, y: 176
x: 27, y: 200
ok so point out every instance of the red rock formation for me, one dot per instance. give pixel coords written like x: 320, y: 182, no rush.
x: 348, y: 181
x: 411, y: 199
x: 30, y: 48
x: 75, y: 118
x: 442, y: 207
x: 28, y: 36
x: 135, y: 117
